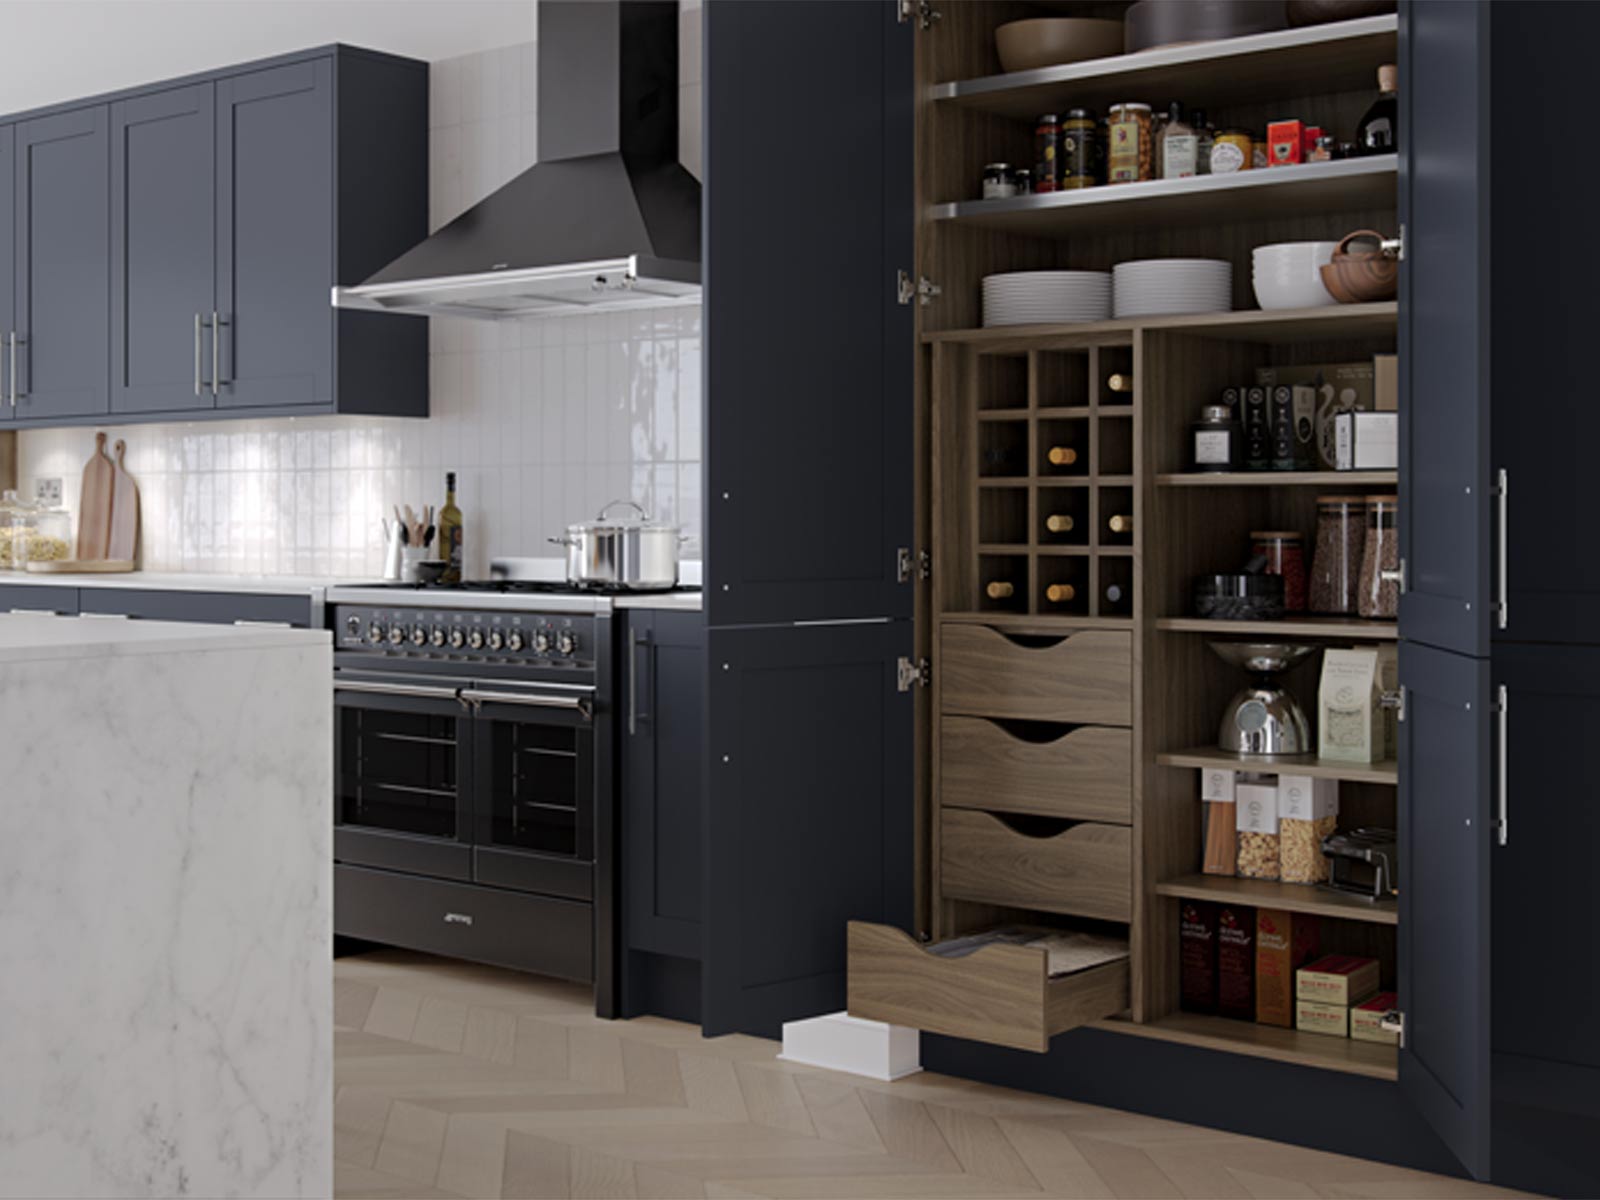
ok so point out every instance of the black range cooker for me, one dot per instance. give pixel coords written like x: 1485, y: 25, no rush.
x: 474, y: 810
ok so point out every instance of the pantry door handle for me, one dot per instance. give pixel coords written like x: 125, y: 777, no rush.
x: 639, y: 641
x: 13, y: 368
x: 1503, y: 773
x: 198, y: 322
x: 216, y: 351
x: 1503, y: 503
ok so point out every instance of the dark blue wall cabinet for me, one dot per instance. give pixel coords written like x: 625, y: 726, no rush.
x: 809, y: 449
x: 172, y: 249
x: 8, y: 271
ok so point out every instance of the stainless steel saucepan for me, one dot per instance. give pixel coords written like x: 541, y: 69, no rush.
x: 631, y: 552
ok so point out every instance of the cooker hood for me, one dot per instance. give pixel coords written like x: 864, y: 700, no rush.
x: 607, y: 219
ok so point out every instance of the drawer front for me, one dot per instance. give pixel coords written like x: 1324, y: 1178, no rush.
x: 31, y: 597
x: 997, y: 994
x: 1085, y: 678
x: 1085, y: 774
x: 208, y: 608
x: 1086, y: 870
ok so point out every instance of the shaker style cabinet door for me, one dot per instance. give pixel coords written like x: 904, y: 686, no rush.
x: 163, y: 250
x: 63, y: 264
x: 8, y: 265
x: 275, y: 253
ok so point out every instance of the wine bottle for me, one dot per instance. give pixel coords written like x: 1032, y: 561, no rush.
x: 1058, y: 523
x: 1062, y: 456
x: 450, y: 547
x: 1115, y: 595
x: 1060, y: 593
x: 1379, y: 131
x: 1121, y: 384
x: 999, y: 590
x: 1121, y: 523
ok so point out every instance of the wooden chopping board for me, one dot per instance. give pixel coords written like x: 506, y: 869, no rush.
x: 123, y: 542
x: 94, y: 508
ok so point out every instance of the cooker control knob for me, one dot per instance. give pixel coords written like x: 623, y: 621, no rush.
x: 419, y: 636
x: 352, y: 626
x: 475, y: 639
x: 496, y: 639
x: 541, y: 642
x: 437, y: 636
x: 458, y: 638
x: 514, y: 640
x: 397, y: 634
x: 374, y: 633
x: 566, y: 641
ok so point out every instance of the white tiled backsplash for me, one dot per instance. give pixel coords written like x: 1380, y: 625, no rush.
x: 543, y: 421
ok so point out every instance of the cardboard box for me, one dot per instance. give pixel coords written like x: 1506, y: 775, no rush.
x: 1236, y: 961
x: 1365, y: 1018
x: 1366, y: 441
x: 1349, y: 711
x: 1385, y: 383
x: 1197, y: 956
x: 1389, y: 682
x: 1257, y: 423
x: 1334, y: 388
x: 1217, y: 783
x: 1285, y: 143
x: 1310, y: 1016
x: 1342, y: 979
x: 1285, y: 941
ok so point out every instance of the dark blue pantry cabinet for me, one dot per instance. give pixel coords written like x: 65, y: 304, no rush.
x: 170, y: 251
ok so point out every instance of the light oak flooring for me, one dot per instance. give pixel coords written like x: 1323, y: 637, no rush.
x: 462, y: 1081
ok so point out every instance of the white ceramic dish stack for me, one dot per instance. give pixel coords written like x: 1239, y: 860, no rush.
x: 1165, y: 286
x: 1289, y: 274
x: 1046, y: 297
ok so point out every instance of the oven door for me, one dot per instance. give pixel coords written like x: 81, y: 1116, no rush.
x: 534, y: 788
x: 403, y: 775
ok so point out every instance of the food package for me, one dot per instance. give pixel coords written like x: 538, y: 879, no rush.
x: 1349, y: 709
x: 1236, y: 961
x: 1366, y: 441
x: 1308, y: 811
x: 1337, y: 979
x: 1284, y: 942
x: 1366, y: 1020
x: 1285, y: 143
x: 1389, y: 684
x: 1219, y: 815
x: 1197, y: 956
x: 1311, y: 1016
x: 1385, y: 383
x: 1257, y: 822
x: 1337, y: 388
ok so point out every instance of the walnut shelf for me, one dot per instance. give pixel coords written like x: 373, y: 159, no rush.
x: 1268, y: 1041
x: 1321, y: 479
x: 1352, y: 628
x: 1293, y: 897
x: 1386, y: 772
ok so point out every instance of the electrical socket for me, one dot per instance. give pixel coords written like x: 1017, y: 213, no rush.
x: 48, y: 491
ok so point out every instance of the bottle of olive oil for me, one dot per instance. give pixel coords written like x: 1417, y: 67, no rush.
x: 450, y: 531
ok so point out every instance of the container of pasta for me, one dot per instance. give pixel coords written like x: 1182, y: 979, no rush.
x: 1308, y: 811
x: 32, y: 533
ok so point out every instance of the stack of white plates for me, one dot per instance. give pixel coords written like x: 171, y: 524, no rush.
x: 1153, y: 286
x: 1046, y: 297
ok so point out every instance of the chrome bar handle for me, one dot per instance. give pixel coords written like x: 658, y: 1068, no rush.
x: 198, y: 322
x: 216, y: 351
x: 411, y: 690
x: 1503, y: 773
x: 1502, y: 500
x: 582, y: 704
x: 13, y: 368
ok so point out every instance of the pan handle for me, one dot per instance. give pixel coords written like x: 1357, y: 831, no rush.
x: 561, y: 541
x: 638, y: 508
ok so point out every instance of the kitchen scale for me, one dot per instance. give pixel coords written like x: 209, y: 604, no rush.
x: 1263, y: 718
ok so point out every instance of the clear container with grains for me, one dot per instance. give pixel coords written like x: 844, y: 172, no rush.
x: 1379, y: 597
x: 1308, y: 811
x: 1336, y: 559
x: 15, y: 521
x: 50, y: 540
x: 1256, y: 806
x: 1131, y: 142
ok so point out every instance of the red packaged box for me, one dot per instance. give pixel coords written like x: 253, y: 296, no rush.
x: 1197, y: 956
x: 1284, y: 143
x: 1236, y: 962
x: 1285, y: 942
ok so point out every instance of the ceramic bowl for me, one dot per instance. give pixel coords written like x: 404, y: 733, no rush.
x: 1288, y: 274
x: 1051, y: 41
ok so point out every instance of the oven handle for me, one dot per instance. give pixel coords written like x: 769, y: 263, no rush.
x: 582, y: 704
x: 412, y: 690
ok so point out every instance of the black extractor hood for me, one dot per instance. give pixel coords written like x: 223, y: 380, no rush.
x: 607, y: 219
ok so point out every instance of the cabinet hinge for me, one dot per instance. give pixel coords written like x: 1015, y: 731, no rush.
x: 1397, y: 701
x: 924, y: 289
x: 920, y: 11
x: 909, y: 566
x: 1394, y: 1021
x: 913, y: 674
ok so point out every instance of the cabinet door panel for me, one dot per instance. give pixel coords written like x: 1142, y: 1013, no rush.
x: 8, y: 262
x: 163, y: 248
x: 63, y: 262
x: 275, y: 252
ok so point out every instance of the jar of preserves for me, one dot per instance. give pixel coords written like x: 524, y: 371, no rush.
x: 1023, y: 178
x: 1216, y: 439
x: 1285, y: 552
x: 1081, y: 165
x: 999, y: 181
x: 1131, y: 153
x: 1336, y: 557
x: 1380, y: 598
x: 1231, y: 151
x: 1047, y: 153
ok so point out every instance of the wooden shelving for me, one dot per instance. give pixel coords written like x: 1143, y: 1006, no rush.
x: 1339, y: 56
x: 1351, y: 628
x: 1268, y: 1041
x: 1273, y: 326
x: 1350, y: 183
x: 1043, y: 624
x: 1320, y: 479
x: 1293, y: 897
x: 1387, y: 772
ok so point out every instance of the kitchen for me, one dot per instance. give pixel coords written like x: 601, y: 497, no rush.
x: 625, y: 792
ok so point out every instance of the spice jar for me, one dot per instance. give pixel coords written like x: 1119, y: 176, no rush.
x: 1336, y: 558
x: 1215, y: 439
x: 999, y: 181
x: 1378, y: 597
x: 1231, y: 151
x: 1024, y: 180
x: 1046, y: 153
x: 1080, y: 150
x: 1285, y: 553
x: 1132, y: 147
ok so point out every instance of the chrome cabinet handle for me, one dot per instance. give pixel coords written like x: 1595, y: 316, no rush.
x: 13, y: 368
x: 198, y: 322
x: 582, y: 704
x: 1503, y: 503
x: 216, y: 351
x: 414, y: 691
x: 1502, y: 773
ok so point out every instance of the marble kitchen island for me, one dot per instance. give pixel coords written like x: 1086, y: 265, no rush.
x: 166, y: 1009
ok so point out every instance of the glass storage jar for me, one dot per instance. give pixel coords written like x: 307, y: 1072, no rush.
x: 15, y: 521
x: 1336, y: 557
x: 1380, y: 598
x: 1285, y: 552
x: 1047, y: 153
x: 50, y: 539
x: 1081, y: 165
x: 1131, y: 150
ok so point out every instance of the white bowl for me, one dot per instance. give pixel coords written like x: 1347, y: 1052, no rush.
x: 1289, y: 274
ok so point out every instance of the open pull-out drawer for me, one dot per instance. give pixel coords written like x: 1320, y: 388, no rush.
x: 1030, y: 862
x: 1000, y: 994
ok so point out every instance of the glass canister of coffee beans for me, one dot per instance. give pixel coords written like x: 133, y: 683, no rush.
x: 1379, y: 598
x: 1215, y: 439
x: 1047, y: 153
x: 1285, y: 552
x: 1336, y: 558
x: 1081, y: 159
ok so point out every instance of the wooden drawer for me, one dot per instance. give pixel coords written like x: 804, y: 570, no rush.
x: 1085, y: 678
x: 1086, y: 869
x: 1085, y: 774
x: 998, y: 994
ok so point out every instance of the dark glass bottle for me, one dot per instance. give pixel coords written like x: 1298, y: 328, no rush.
x: 1379, y: 131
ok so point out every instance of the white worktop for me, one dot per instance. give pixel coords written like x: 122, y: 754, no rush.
x: 180, y: 581
x: 28, y: 637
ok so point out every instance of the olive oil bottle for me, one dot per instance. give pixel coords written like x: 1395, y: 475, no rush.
x: 450, y: 531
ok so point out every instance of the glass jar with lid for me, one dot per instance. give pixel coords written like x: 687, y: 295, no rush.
x: 1285, y: 554
x: 15, y: 521
x: 1131, y: 147
x: 1380, y: 598
x: 50, y: 539
x: 1081, y: 165
x: 1047, y: 153
x: 1336, y: 557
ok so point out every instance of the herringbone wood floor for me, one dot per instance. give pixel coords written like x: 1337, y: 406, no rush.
x: 462, y: 1081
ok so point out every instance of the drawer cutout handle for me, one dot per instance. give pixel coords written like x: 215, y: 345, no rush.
x: 1035, y: 733
x: 1035, y: 641
x: 1034, y: 826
